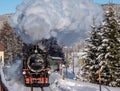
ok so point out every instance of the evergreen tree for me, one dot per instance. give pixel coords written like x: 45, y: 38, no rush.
x: 109, y: 50
x: 91, y: 63
x: 103, y: 51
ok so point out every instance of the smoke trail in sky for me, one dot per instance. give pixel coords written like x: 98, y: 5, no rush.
x: 67, y: 20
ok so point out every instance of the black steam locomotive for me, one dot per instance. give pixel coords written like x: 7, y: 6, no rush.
x: 36, y: 67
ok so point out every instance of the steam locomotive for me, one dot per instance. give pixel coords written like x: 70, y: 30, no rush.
x: 36, y: 67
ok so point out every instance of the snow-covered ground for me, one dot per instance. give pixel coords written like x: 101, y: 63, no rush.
x: 57, y: 84
x: 72, y: 85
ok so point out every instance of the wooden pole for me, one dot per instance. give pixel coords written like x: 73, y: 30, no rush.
x: 62, y: 74
x: 73, y: 62
x: 66, y: 62
x: 99, y: 79
x: 66, y: 70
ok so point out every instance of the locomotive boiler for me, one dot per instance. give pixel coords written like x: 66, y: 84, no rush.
x: 36, y: 67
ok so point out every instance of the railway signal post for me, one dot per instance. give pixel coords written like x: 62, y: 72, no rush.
x: 99, y: 79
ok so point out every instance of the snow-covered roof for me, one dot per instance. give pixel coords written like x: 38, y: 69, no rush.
x: 56, y: 58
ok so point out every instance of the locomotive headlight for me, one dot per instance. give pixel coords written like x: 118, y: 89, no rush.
x: 49, y: 72
x: 24, y: 72
x: 36, y: 51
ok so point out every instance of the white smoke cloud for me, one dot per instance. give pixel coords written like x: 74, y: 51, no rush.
x: 67, y: 20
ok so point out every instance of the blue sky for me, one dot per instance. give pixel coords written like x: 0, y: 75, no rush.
x: 106, y: 1
x: 9, y: 6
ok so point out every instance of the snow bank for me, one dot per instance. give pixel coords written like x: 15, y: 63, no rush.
x: 12, y: 77
x: 57, y: 84
x: 72, y: 85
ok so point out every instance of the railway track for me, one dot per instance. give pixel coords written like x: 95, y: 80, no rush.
x: 40, y: 89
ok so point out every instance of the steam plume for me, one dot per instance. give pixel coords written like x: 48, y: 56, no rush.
x: 67, y: 20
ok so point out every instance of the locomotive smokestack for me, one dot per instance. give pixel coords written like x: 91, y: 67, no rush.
x: 36, y: 49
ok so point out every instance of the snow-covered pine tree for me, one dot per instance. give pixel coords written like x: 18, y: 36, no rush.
x: 91, y: 63
x: 103, y: 51
x: 109, y: 50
